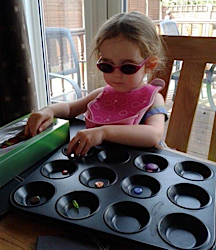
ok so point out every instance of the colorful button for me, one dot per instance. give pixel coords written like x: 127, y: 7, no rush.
x: 149, y: 171
x: 137, y: 190
x: 99, y: 184
x: 75, y: 204
x: 65, y: 172
x: 151, y: 167
x: 34, y: 200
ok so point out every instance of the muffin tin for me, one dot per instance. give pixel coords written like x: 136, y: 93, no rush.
x: 172, y: 207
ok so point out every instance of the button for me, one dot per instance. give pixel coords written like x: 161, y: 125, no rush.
x: 75, y: 204
x: 99, y: 184
x: 34, y: 200
x: 151, y: 167
x: 65, y: 172
x: 137, y: 190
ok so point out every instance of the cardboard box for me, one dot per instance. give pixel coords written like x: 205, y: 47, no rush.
x: 19, y: 157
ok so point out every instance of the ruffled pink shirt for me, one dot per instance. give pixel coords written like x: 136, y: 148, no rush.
x: 121, y: 108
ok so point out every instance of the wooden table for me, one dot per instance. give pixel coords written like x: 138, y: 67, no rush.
x: 18, y: 231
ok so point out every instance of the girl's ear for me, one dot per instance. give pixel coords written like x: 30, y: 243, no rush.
x: 151, y: 63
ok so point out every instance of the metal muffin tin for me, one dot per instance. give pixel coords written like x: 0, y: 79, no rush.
x: 175, y: 208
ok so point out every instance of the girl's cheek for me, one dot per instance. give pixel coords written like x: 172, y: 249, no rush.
x: 107, y: 78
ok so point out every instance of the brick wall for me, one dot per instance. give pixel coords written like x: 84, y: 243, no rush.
x: 140, y: 5
x: 68, y: 13
x: 63, y: 13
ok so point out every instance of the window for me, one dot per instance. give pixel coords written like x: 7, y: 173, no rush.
x: 87, y: 15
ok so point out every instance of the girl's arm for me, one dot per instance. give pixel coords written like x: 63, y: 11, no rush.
x: 142, y: 135
x: 69, y: 110
x: 40, y: 120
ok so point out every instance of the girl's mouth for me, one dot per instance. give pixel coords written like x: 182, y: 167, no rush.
x: 117, y: 83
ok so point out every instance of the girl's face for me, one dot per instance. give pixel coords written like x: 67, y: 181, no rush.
x: 119, y: 51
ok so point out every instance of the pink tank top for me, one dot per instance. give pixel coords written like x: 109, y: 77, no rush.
x: 121, y: 108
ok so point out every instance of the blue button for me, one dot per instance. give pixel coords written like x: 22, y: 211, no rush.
x: 138, y: 190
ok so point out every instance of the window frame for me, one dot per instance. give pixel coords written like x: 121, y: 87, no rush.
x: 37, y: 45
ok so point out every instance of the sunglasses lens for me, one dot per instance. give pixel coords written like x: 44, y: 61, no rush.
x: 128, y: 69
x: 105, y: 67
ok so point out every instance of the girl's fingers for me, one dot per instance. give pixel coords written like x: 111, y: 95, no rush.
x: 26, y: 130
x: 44, y: 125
x: 33, y: 127
x: 86, y: 148
x: 36, y: 126
x: 81, y: 148
x: 30, y: 130
x: 72, y: 145
x: 78, y: 147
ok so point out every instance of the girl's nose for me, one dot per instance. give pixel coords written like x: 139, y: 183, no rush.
x: 117, y: 72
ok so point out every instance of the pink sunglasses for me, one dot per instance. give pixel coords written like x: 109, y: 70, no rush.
x: 127, y: 68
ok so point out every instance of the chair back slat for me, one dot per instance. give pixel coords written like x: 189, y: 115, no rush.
x: 194, y: 49
x: 194, y: 52
x: 166, y: 75
x: 184, y: 106
x: 212, y: 149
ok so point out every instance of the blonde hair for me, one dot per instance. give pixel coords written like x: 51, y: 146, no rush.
x: 137, y: 28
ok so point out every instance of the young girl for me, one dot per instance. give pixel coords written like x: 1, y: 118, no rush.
x: 127, y: 110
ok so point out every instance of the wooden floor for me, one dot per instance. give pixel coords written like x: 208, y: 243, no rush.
x: 202, y: 126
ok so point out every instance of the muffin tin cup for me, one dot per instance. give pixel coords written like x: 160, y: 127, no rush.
x: 114, y: 156
x: 183, y: 231
x: 59, y: 169
x: 189, y: 196
x: 192, y: 170
x: 34, y: 194
x: 72, y: 155
x: 98, y: 177
x: 140, y: 186
x: 142, y: 160
x: 77, y: 205
x: 127, y: 217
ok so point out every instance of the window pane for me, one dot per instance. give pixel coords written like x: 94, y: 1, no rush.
x: 65, y: 47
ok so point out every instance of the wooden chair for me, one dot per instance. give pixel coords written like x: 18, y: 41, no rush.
x: 170, y: 28
x: 195, y: 52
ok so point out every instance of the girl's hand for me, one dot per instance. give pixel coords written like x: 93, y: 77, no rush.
x: 38, y: 122
x: 84, y: 140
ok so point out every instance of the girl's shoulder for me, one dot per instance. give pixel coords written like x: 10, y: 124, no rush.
x: 92, y: 95
x: 157, y: 82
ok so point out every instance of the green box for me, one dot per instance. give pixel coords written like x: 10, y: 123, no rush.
x: 17, y: 158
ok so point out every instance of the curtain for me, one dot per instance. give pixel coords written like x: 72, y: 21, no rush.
x: 17, y: 87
